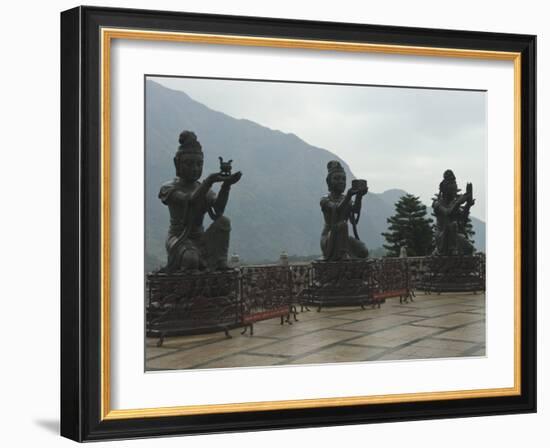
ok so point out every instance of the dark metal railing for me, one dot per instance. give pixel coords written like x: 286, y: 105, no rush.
x: 219, y: 301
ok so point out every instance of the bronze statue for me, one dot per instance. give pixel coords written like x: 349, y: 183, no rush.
x: 189, y: 246
x: 452, y: 211
x: 339, y: 208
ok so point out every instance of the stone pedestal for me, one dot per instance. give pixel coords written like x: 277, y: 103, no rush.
x: 454, y: 274
x: 339, y: 283
x: 191, y: 303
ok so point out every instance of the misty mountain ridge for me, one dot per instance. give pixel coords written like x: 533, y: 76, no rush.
x: 275, y: 206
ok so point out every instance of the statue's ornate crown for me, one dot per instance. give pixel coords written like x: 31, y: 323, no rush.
x: 449, y: 175
x: 189, y: 143
x: 448, y: 178
x: 334, y: 166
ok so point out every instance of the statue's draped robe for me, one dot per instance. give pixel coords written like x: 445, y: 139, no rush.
x: 336, y: 244
x: 186, y: 231
x: 450, y: 236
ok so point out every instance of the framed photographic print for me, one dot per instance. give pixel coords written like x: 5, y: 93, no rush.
x: 272, y: 223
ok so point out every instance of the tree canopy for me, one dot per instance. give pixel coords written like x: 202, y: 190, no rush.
x: 409, y: 227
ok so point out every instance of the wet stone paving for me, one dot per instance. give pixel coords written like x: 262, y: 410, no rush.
x: 433, y: 326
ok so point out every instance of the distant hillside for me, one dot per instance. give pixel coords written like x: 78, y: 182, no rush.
x: 274, y: 207
x: 479, y: 237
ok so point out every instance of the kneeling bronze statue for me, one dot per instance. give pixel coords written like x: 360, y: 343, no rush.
x: 189, y: 246
x: 339, y: 208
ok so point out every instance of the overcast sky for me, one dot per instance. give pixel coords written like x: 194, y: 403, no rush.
x: 392, y: 136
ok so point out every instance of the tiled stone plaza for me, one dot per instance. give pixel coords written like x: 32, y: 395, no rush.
x: 433, y: 326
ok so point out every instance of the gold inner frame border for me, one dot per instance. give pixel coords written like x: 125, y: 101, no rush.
x: 107, y: 35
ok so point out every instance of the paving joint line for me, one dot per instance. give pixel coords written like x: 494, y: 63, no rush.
x: 333, y: 327
x: 414, y: 341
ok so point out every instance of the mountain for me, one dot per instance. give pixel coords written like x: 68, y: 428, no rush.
x: 479, y: 238
x: 274, y: 207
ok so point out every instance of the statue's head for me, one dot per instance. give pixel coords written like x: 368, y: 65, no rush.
x: 448, y: 185
x: 336, y: 177
x: 189, y: 157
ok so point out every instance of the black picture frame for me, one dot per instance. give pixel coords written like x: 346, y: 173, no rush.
x: 81, y: 199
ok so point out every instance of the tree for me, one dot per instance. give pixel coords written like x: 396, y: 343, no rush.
x: 409, y: 227
x: 469, y: 230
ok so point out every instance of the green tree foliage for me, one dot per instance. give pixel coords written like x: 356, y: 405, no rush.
x: 409, y: 227
x: 469, y: 230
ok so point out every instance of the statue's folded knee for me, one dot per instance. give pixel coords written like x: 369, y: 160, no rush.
x: 222, y: 223
x: 190, y: 259
x: 358, y: 248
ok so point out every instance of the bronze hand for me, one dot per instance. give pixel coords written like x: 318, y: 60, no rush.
x: 233, y: 179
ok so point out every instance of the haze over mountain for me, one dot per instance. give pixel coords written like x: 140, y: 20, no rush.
x: 275, y: 206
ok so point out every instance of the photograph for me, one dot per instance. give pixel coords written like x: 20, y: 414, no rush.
x: 307, y: 223
x: 275, y: 224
